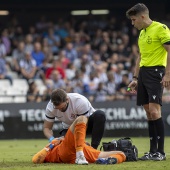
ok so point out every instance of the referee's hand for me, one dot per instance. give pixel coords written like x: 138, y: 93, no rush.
x: 166, y: 80
x: 132, y: 86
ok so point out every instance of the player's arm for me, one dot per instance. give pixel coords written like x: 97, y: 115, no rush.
x: 166, y: 79
x: 49, y: 121
x: 48, y: 130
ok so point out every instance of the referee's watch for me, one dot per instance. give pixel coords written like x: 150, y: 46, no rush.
x: 135, y: 78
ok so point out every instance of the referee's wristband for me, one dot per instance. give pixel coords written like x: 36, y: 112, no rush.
x: 51, y: 138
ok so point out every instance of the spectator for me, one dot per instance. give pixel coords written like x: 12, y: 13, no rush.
x: 42, y: 24
x: 46, y: 49
x: 134, y: 54
x: 63, y: 29
x: 57, y: 81
x: 47, y: 92
x: 124, y: 51
x: 3, y: 70
x: 92, y: 83
x: 53, y: 40
x: 56, y: 65
x: 110, y: 86
x: 101, y: 93
x: 6, y: 40
x: 3, y: 51
x: 104, y: 52
x: 87, y: 50
x: 85, y: 63
x: 70, y: 71
x: 97, y: 40
x: 32, y: 31
x: 96, y: 60
x: 18, y: 54
x: 122, y: 88
x: 29, y: 43
x: 70, y: 52
x: 63, y: 59
x: 101, y: 73
x: 77, y: 83
x: 77, y: 42
x: 41, y: 70
x: 113, y: 60
x: 37, y: 54
x: 28, y: 66
x: 106, y: 38
x: 18, y: 35
x: 33, y: 92
x: 118, y: 71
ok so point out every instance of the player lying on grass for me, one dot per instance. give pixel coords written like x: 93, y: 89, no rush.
x: 73, y: 149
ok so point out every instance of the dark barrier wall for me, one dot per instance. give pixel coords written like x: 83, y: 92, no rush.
x: 25, y: 121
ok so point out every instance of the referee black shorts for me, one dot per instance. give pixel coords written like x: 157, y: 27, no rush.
x: 149, y: 88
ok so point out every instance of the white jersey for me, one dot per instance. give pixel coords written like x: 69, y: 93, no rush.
x: 78, y: 105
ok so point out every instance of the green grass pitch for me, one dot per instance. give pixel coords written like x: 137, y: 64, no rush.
x: 17, y: 155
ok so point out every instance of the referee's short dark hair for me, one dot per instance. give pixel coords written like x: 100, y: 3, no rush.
x: 58, y: 96
x: 137, y: 9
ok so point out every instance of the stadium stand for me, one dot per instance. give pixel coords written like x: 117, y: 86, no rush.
x: 87, y: 44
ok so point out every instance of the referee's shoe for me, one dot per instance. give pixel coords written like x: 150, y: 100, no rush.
x: 147, y: 156
x: 153, y: 156
x: 158, y: 157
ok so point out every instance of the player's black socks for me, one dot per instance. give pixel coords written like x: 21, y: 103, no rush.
x: 160, y: 134
x: 153, y: 136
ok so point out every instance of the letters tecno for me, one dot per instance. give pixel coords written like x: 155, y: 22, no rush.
x: 31, y: 115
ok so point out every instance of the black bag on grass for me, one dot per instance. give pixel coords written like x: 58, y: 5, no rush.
x: 125, y: 145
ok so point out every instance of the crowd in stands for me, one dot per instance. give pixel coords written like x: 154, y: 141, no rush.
x: 92, y: 56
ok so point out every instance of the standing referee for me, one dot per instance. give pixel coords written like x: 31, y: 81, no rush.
x: 152, y: 73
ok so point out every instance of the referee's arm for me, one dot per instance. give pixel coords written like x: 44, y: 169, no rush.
x: 136, y: 72
x: 166, y: 79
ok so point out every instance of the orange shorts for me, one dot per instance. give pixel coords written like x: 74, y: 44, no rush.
x: 65, y: 152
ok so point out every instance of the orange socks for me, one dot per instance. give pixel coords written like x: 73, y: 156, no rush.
x: 79, y: 136
x: 120, y: 157
x: 40, y: 156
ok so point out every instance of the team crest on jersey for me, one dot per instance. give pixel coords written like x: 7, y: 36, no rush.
x: 73, y: 116
x: 149, y: 40
x: 164, y: 26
